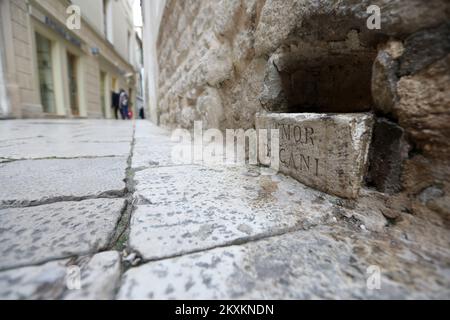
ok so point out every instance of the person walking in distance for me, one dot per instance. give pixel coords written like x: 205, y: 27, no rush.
x: 123, y: 102
x: 115, y: 97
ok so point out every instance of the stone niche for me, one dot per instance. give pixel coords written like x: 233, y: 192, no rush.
x: 331, y: 85
x: 318, y: 94
x: 320, y: 77
x: 325, y: 151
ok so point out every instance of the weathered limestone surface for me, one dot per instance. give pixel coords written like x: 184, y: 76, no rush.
x: 67, y: 179
x: 53, y: 209
x: 232, y: 233
x: 327, y: 152
x: 151, y: 153
x: 152, y: 147
x: 189, y: 208
x: 39, y: 150
x: 327, y: 263
x: 37, y: 234
x: 220, y: 232
x: 66, y: 130
x: 99, y: 277
x: 37, y: 139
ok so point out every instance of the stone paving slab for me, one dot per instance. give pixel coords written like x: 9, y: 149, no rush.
x: 41, y: 181
x: 145, y: 129
x: 329, y: 262
x: 45, y: 150
x: 203, y: 232
x: 189, y: 208
x: 99, y: 277
x: 65, y: 130
x: 147, y: 154
x: 38, y: 139
x: 152, y: 146
x: 35, y: 235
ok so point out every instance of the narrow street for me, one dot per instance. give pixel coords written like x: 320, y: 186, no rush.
x: 105, y: 196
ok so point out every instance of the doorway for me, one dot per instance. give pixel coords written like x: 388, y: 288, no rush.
x: 130, y: 103
x: 114, y: 85
x: 45, y: 71
x: 4, y: 103
x: 72, y: 62
x: 103, y: 94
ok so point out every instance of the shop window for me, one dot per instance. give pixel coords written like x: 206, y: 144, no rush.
x: 103, y: 94
x: 72, y: 62
x: 45, y: 71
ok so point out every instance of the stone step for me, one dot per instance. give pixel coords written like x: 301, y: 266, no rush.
x: 328, y: 152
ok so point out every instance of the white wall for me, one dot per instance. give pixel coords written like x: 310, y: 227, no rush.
x: 4, y: 103
x: 92, y: 12
x: 122, y: 25
x: 152, y: 12
x: 121, y: 22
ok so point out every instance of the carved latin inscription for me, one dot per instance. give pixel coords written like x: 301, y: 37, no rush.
x: 327, y: 152
x: 300, y: 136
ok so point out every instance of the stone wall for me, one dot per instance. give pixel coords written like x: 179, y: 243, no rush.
x: 223, y: 61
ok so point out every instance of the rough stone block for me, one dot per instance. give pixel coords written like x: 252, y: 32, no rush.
x: 324, y: 151
x: 387, y: 153
x: 424, y: 48
x: 384, y: 82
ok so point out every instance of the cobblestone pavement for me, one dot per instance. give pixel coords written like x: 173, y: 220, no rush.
x: 104, y: 196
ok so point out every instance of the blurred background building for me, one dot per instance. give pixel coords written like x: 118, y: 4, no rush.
x: 152, y: 13
x: 48, y: 70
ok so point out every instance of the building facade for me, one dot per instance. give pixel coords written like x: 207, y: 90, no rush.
x: 51, y: 68
x: 140, y: 74
x: 152, y: 14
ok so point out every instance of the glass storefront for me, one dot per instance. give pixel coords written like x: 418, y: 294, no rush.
x: 73, y: 84
x: 45, y: 69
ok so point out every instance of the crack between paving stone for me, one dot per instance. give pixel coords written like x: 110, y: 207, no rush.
x: 9, y: 160
x: 89, y: 253
x: 144, y: 168
x: 237, y: 242
x: 119, y: 237
x: 119, y: 231
x: 13, y: 204
x: 6, y: 160
x: 52, y: 259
